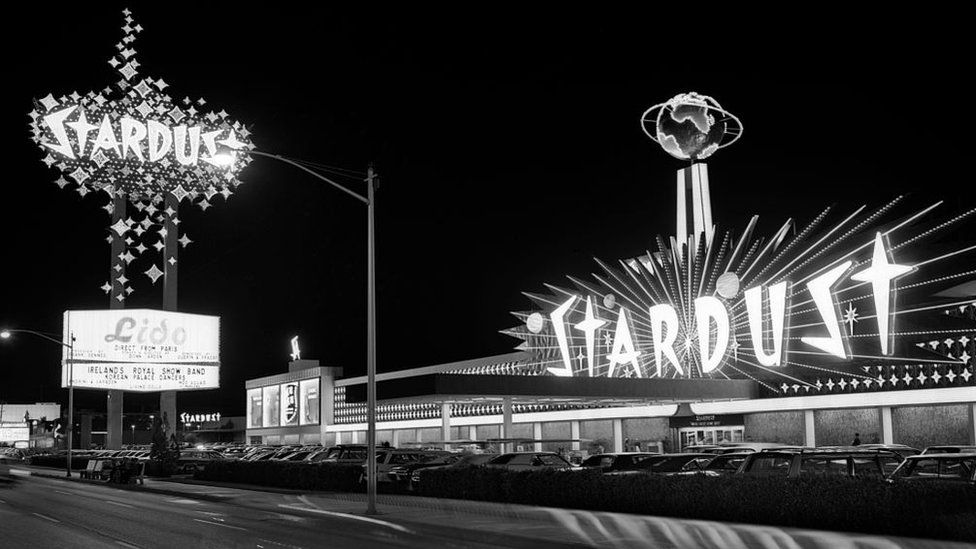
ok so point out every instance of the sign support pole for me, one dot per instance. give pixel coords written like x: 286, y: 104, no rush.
x: 167, y: 399
x: 114, y: 400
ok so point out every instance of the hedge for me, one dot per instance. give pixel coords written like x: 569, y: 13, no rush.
x: 283, y: 474
x: 59, y: 461
x: 936, y: 510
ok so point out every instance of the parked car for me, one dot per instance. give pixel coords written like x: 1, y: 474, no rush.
x: 838, y: 461
x: 670, y: 464
x: 191, y: 460
x: 470, y: 460
x: 620, y: 461
x: 900, y: 449
x: 949, y: 467
x: 726, y: 464
x: 948, y: 450
x: 402, y: 475
x: 387, y: 459
x: 523, y: 461
x: 342, y: 453
x: 297, y: 456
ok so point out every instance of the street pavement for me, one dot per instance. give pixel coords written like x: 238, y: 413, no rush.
x: 40, y: 512
x: 49, y: 511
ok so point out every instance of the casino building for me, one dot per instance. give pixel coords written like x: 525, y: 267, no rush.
x: 859, y: 321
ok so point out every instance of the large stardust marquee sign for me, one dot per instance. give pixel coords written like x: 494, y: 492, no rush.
x: 865, y: 302
x: 142, y: 350
x: 147, y: 150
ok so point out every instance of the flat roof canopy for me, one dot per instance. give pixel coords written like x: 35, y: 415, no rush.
x: 472, y: 389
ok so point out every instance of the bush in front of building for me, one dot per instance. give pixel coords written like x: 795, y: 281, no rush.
x: 931, y: 510
x: 342, y: 477
x: 59, y: 461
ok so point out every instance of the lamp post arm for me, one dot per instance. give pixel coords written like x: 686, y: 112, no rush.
x: 42, y: 335
x: 314, y: 173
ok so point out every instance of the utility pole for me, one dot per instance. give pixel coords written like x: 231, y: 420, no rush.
x: 371, y: 346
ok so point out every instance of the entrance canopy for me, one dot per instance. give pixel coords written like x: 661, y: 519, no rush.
x: 474, y: 389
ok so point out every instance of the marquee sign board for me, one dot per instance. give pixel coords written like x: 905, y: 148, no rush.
x: 838, y: 306
x: 142, y: 350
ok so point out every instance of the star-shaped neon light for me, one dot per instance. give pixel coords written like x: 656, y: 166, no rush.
x: 589, y: 326
x: 880, y: 274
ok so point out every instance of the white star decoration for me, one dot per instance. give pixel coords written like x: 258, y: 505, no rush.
x: 880, y: 274
x: 588, y: 326
x: 850, y: 317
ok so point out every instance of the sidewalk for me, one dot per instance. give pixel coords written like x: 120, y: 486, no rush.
x: 528, y: 526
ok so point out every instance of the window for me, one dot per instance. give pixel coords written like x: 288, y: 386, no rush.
x: 521, y: 459
x: 310, y: 401
x: 926, y: 468
x: 400, y: 459
x: 870, y: 467
x: 550, y: 460
x: 254, y: 408
x: 823, y: 466
x: 272, y: 401
x: 726, y: 463
x: 770, y: 465
x: 955, y: 468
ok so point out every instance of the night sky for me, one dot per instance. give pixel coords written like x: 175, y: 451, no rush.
x: 509, y: 149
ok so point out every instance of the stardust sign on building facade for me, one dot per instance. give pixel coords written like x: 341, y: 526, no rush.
x: 142, y: 350
x: 856, y: 299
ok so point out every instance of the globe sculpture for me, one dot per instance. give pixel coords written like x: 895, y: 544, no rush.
x: 691, y: 126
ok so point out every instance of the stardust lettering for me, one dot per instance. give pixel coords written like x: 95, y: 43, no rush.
x: 711, y: 324
x: 131, y: 139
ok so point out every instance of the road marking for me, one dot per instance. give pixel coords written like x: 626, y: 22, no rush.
x: 184, y: 501
x: 124, y: 544
x: 65, y: 493
x: 120, y: 504
x: 396, y: 527
x: 45, y: 517
x: 20, y: 472
x: 1, y: 501
x: 272, y: 542
x: 219, y: 524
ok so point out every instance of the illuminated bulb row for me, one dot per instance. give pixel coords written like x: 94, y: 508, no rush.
x: 856, y: 229
x: 799, y: 238
x: 940, y: 279
x: 936, y: 228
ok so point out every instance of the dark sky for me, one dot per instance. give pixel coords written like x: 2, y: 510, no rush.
x: 510, y: 152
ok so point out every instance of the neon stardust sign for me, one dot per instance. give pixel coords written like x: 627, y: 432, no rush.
x: 712, y: 322
x: 133, y: 138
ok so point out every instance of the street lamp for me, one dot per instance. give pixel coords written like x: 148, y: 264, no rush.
x: 133, y: 434
x: 5, y: 334
x: 227, y: 158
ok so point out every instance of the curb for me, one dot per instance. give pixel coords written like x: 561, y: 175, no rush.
x: 130, y: 487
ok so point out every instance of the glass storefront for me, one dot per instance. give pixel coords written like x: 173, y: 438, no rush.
x: 310, y: 401
x: 286, y: 405
x: 272, y: 405
x: 255, y: 405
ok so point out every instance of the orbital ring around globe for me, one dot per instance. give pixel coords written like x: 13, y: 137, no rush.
x: 734, y: 127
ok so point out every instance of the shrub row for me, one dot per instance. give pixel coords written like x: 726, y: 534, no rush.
x: 59, y: 461
x: 283, y: 474
x: 936, y: 510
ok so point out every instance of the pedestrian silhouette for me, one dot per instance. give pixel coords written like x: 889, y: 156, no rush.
x: 857, y: 439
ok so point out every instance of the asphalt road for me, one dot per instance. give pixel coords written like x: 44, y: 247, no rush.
x: 38, y: 513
